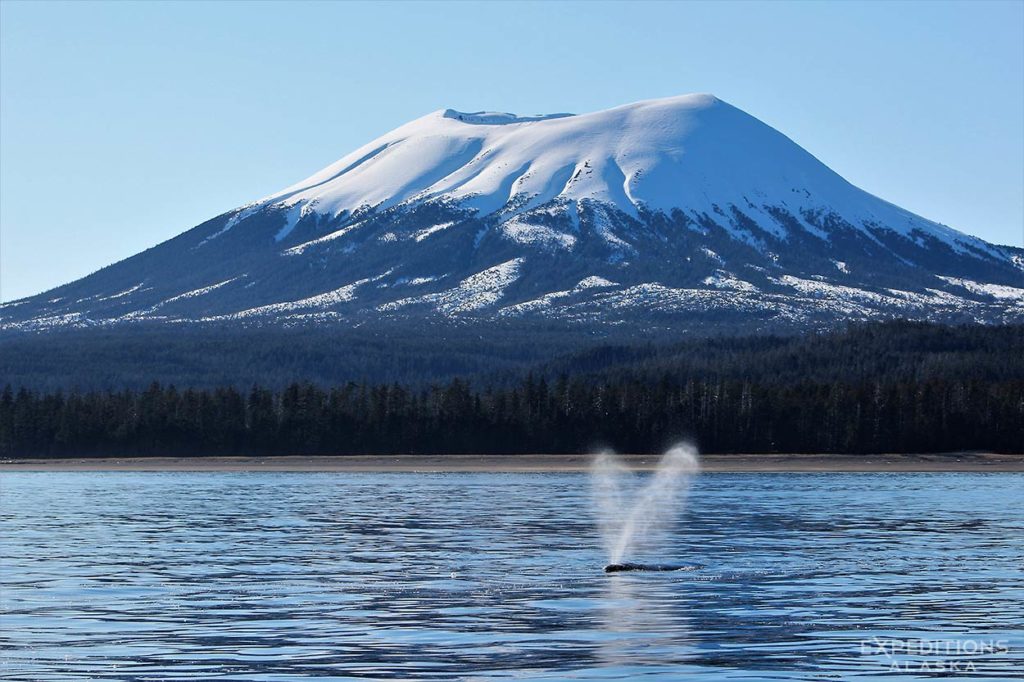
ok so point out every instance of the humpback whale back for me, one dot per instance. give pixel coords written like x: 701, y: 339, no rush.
x: 618, y: 568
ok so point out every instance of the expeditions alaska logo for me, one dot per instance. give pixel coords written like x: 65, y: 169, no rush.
x: 948, y: 656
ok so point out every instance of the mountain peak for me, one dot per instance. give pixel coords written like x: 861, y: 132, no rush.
x: 692, y: 100
x: 496, y: 117
x: 688, y: 102
x: 673, y: 212
x: 689, y: 152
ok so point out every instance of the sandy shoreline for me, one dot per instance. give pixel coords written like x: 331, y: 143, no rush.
x: 966, y: 462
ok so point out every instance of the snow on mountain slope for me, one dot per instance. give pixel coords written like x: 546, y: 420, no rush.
x: 693, y: 152
x: 685, y: 210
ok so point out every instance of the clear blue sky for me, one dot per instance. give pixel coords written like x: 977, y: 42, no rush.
x: 126, y: 123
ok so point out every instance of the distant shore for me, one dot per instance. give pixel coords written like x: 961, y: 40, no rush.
x: 946, y: 462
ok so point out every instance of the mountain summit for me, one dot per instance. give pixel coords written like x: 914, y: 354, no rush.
x: 680, y: 213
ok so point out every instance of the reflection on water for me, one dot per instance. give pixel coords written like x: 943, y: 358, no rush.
x: 252, y: 576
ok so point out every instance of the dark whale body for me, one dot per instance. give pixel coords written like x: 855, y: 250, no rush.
x: 617, y: 568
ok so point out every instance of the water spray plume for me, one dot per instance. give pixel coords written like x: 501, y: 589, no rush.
x: 633, y: 517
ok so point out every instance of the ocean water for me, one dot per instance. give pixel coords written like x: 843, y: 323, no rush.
x: 278, y: 576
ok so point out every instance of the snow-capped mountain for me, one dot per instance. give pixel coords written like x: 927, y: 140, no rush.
x: 669, y: 213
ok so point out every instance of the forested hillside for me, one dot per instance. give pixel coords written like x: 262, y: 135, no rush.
x: 217, y: 357
x: 894, y: 387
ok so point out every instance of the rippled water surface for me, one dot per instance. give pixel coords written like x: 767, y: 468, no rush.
x: 277, y: 576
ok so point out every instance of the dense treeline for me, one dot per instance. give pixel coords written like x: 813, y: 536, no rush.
x: 891, y: 387
x: 213, y: 357
x: 534, y: 416
x: 890, y: 351
x: 114, y: 359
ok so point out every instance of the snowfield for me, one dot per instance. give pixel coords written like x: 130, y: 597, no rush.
x: 693, y: 152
